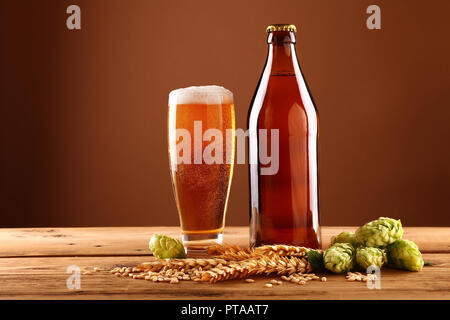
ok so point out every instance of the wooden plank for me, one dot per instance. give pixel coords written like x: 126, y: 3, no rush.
x: 45, y: 278
x: 113, y: 241
x: 119, y: 241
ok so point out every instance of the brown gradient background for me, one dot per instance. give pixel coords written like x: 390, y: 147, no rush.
x: 83, y: 113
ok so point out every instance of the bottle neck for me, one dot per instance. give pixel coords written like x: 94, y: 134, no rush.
x: 282, y: 49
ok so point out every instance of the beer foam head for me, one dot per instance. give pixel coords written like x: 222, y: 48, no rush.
x: 201, y: 95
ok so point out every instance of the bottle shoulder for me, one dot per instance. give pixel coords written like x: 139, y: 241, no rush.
x: 281, y: 92
x: 284, y: 105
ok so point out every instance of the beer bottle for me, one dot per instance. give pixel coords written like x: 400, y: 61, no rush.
x: 283, y: 122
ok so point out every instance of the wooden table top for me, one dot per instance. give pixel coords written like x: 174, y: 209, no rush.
x: 34, y: 262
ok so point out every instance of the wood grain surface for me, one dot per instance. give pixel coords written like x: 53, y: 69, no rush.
x: 120, y: 241
x: 34, y: 262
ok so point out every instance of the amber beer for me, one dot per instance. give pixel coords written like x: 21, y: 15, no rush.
x: 201, y: 133
x: 284, y: 205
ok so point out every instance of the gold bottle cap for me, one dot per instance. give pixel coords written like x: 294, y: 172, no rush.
x: 281, y: 27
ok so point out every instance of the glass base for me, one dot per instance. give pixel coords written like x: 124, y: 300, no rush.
x: 198, y: 244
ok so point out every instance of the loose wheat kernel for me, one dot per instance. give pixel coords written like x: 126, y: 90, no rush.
x: 117, y: 274
x: 279, y: 282
x: 302, y: 282
x: 273, y: 281
x: 323, y: 279
x: 249, y: 280
x: 96, y: 269
x: 268, y: 285
x: 174, y: 280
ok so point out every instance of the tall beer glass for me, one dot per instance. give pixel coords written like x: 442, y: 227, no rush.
x: 201, y: 134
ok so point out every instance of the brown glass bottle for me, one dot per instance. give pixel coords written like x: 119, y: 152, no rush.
x: 284, y: 206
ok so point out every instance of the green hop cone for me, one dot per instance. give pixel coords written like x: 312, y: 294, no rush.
x: 405, y: 254
x: 164, y: 247
x: 339, y: 258
x: 366, y: 257
x: 345, y: 237
x: 379, y: 233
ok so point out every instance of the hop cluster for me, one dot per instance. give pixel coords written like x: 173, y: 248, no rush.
x: 366, y: 257
x: 405, y: 254
x: 345, y: 237
x: 379, y: 233
x: 376, y: 242
x: 339, y: 258
x: 164, y: 247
